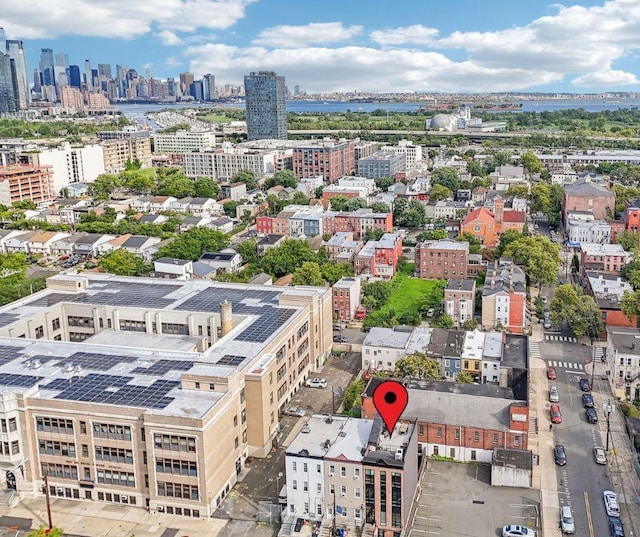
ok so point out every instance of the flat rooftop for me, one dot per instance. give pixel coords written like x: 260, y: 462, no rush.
x: 139, y: 369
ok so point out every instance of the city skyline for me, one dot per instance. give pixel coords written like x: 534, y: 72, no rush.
x: 586, y: 46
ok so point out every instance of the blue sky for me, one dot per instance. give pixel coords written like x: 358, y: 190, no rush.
x: 349, y: 45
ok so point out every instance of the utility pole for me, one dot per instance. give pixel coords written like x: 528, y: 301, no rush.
x: 48, y: 499
x: 608, y: 409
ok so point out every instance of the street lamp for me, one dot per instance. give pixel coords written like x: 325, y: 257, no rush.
x: 607, y: 409
x: 278, y: 478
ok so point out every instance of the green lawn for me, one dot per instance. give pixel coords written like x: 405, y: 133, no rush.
x: 216, y: 118
x: 407, y: 297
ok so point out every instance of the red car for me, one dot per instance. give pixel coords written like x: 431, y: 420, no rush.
x: 556, y: 417
x: 551, y: 373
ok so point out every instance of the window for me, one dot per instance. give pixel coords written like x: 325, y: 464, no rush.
x: 356, y: 492
x: 13, y: 426
x: 356, y: 473
x: 197, y: 385
x: 54, y: 425
x: 476, y: 436
x: 305, y: 467
x: 495, y: 438
x: 439, y: 432
x: 294, y: 466
x: 175, y: 443
x: 332, y: 469
x: 111, y: 431
x: 178, y: 490
x: 420, y: 430
x: 127, y: 325
x: 294, y: 484
x: 55, y: 324
x: 176, y: 467
x: 343, y: 490
x: 343, y: 471
x: 318, y: 468
x: 112, y: 454
x: 39, y: 332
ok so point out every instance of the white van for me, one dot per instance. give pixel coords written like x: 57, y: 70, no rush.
x: 282, y: 496
x: 567, y: 525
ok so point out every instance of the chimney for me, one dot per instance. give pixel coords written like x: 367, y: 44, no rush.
x: 226, y: 317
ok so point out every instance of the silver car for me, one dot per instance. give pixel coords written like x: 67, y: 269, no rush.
x: 515, y: 530
x: 294, y: 411
x: 611, y: 503
x: 567, y: 525
x: 600, y: 455
x: 554, y: 395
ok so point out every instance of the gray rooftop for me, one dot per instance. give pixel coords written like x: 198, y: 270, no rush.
x: 624, y: 340
x: 461, y: 285
x: 586, y: 188
x: 394, y: 338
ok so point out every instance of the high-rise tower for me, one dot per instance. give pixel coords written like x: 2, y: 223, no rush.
x: 47, y: 70
x: 265, y: 105
x: 15, y: 50
x: 8, y: 85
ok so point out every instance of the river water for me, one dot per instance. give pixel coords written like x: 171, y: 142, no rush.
x: 137, y: 111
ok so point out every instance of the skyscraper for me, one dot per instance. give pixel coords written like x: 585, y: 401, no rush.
x: 8, y: 85
x: 186, y: 79
x: 266, y: 106
x: 62, y: 64
x: 47, y: 70
x: 3, y: 40
x: 88, y: 78
x: 15, y: 50
x: 74, y: 76
x: 209, y: 87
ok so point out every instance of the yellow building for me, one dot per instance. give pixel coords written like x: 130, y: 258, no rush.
x: 150, y: 392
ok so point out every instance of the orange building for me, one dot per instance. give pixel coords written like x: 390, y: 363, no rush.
x: 21, y: 182
x: 488, y: 226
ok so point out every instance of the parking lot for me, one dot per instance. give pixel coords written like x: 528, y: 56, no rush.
x: 457, y: 499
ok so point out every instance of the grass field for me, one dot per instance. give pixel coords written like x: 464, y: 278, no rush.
x: 408, y: 296
x: 213, y: 118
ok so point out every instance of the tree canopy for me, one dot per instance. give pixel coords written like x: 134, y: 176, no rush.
x: 418, y: 365
x: 580, y: 311
x: 284, y: 259
x: 123, y: 263
x: 285, y: 178
x: 193, y: 243
x: 246, y: 177
x: 447, y: 177
x: 539, y: 257
x: 439, y: 192
x: 308, y: 274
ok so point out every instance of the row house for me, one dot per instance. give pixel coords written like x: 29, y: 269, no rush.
x: 379, y: 258
x: 445, y: 346
x: 498, y: 420
x: 441, y: 259
x: 348, y: 474
x: 583, y: 227
x: 359, y: 221
x: 609, y: 258
x: 369, y: 185
x: 346, y: 298
x: 607, y: 290
x: 342, y: 246
x: 504, y: 299
x: 335, y: 191
x: 460, y: 300
x: 623, y: 361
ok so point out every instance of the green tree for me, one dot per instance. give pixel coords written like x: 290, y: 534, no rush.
x: 338, y: 203
x: 628, y: 240
x: 507, y: 237
x: 571, y: 305
x: 132, y: 165
x: 630, y: 306
x: 285, y: 178
x: 434, y: 235
x: 12, y: 264
x: 517, y: 191
x: 442, y: 321
x: 354, y: 204
x: 246, y: 177
x: 248, y: 249
x: 409, y: 213
x: 26, y: 205
x: 123, y: 263
x: 379, y: 291
x: 530, y: 162
x: 308, y: 274
x: 439, y: 192
x: 469, y: 325
x: 332, y: 272
x: 104, y: 185
x: 464, y: 377
x: 138, y: 180
x: 205, y: 187
x: 193, y: 243
x: 539, y: 257
x: 372, y: 235
x: 475, y: 244
x: 177, y: 185
x: 284, y: 259
x: 379, y: 207
x: 383, y: 183
x: 46, y: 532
x: 447, y: 177
x: 418, y: 365
x: 229, y: 208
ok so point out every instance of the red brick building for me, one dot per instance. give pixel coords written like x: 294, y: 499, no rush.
x: 587, y: 196
x: 26, y: 182
x: 346, y: 298
x: 379, y: 258
x: 329, y: 158
x: 609, y: 258
x: 462, y: 421
x: 488, y: 226
x: 441, y: 259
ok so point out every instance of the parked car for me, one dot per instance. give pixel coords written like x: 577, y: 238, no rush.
x: 547, y: 324
x: 316, y: 383
x: 616, y: 529
x: 340, y: 339
x: 556, y: 416
x: 366, y: 329
x: 567, y: 525
x: 611, y: 503
x: 592, y: 415
x: 584, y: 385
x: 560, y: 455
x: 294, y: 411
x: 337, y: 327
x: 430, y: 312
x: 551, y: 373
x: 587, y: 400
x: 554, y: 395
x: 515, y: 530
x: 599, y: 455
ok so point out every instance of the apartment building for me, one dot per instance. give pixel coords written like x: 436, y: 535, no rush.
x: 180, y: 142
x: 117, y: 152
x: 623, y: 360
x: 330, y: 159
x: 346, y: 298
x: 379, y: 258
x: 342, y: 247
x: 359, y: 222
x: 587, y: 196
x: 351, y: 474
x: 382, y: 164
x: 583, y: 227
x: 413, y: 153
x: 607, y: 290
x: 26, y: 182
x: 151, y: 392
x: 462, y: 421
x: 609, y: 258
x: 441, y: 259
x: 225, y: 162
x: 504, y: 299
x: 460, y: 300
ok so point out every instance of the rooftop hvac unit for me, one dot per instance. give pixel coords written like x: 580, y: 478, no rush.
x: 36, y: 364
x: 399, y: 453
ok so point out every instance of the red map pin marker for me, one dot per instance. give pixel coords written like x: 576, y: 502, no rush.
x: 390, y: 399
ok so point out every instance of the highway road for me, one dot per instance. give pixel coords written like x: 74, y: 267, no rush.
x: 581, y: 481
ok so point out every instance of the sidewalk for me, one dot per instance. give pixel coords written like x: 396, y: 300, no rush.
x: 622, y: 464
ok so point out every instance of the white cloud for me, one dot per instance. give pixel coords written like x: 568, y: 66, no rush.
x: 115, y: 18
x: 415, y: 34
x: 169, y: 38
x: 172, y: 61
x: 606, y: 78
x: 315, y: 33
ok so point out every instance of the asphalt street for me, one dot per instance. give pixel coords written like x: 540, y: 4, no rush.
x: 581, y: 481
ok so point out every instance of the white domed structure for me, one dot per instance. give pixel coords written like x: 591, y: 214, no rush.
x: 443, y: 122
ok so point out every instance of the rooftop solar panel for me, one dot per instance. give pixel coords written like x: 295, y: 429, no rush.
x: 230, y: 359
x: 25, y: 381
x: 161, y: 367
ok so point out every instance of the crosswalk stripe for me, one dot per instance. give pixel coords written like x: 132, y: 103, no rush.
x: 554, y: 337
